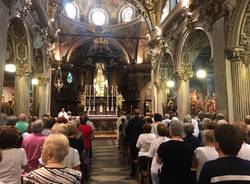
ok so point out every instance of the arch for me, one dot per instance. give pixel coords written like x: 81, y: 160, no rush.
x: 87, y: 40
x: 238, y: 23
x: 25, y: 31
x: 162, y: 60
x: 124, y: 7
x: 183, y: 41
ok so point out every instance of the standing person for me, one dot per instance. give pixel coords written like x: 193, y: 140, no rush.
x: 189, y: 119
x: 157, y: 120
x: 32, y: 144
x: 118, y: 123
x: 63, y: 114
x: 176, y: 157
x: 133, y: 130
x: 13, y: 159
x: 162, y: 131
x: 143, y: 143
x: 189, y: 138
x: 206, y: 153
x: 55, y: 149
x: 228, y: 168
x: 22, y: 124
x: 87, y: 134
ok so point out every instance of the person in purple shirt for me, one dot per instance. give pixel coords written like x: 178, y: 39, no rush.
x: 32, y: 144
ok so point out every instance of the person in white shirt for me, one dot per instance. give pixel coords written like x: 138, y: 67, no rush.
x: 72, y: 159
x: 206, y: 153
x: 162, y: 131
x: 244, y: 152
x: 13, y: 159
x: 63, y: 114
x: 157, y: 120
x: 188, y: 119
x: 143, y: 143
x: 167, y: 119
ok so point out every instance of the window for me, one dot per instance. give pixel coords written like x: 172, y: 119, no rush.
x: 165, y: 11
x: 71, y: 10
x: 127, y: 14
x: 99, y: 17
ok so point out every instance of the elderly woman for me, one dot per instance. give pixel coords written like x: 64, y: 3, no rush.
x: 55, y: 148
x: 176, y: 157
x: 190, y: 139
x: 72, y: 160
x: 32, y: 144
x: 206, y: 153
x: 13, y: 159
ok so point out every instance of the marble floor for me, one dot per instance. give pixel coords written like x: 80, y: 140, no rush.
x: 108, y: 167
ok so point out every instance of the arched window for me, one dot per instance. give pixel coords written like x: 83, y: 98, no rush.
x: 128, y: 14
x: 98, y: 17
x: 71, y: 10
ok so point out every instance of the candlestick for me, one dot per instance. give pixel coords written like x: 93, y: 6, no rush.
x: 89, y: 97
x: 112, y: 100
x: 107, y: 87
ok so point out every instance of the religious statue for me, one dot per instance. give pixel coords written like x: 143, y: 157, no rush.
x: 195, y: 103
x: 119, y: 100
x: 100, y: 80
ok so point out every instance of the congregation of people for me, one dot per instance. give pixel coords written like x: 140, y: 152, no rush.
x: 159, y: 150
x: 201, y: 149
x: 46, y: 150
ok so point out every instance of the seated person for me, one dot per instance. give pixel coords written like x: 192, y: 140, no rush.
x: 55, y: 149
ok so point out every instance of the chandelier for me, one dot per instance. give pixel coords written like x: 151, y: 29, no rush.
x: 58, y: 82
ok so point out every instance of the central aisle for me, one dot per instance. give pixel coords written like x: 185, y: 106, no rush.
x: 107, y: 166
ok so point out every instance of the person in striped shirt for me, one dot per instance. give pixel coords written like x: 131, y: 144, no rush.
x: 228, y: 168
x: 55, y: 148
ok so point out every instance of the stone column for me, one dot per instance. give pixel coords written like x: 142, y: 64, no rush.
x: 240, y: 83
x: 4, y: 12
x: 22, y: 89
x: 44, y: 94
x: 159, y: 98
x: 153, y: 88
x: 182, y: 87
x: 220, y: 68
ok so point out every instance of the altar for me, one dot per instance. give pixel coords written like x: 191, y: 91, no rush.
x: 101, y: 101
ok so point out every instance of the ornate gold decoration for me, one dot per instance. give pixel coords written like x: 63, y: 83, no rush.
x: 239, y: 55
x: 185, y: 73
x: 23, y: 69
x: 43, y: 80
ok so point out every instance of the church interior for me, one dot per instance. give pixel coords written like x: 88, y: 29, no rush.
x: 107, y: 58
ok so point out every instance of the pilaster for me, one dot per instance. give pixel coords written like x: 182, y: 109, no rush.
x: 240, y: 82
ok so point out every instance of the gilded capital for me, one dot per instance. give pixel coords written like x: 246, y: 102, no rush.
x: 239, y: 55
x: 184, y: 74
x: 43, y: 80
x: 23, y: 69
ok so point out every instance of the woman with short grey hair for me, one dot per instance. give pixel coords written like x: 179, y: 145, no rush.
x: 55, y: 149
x: 176, y: 157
